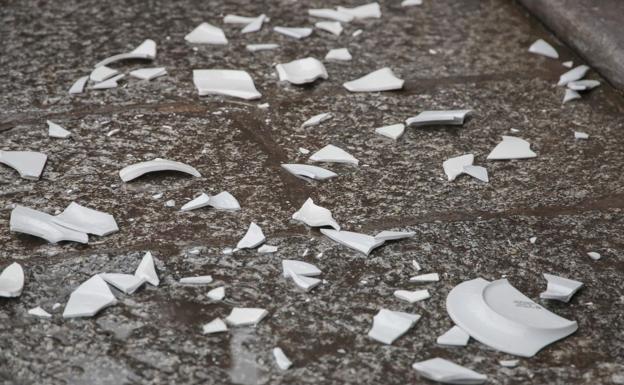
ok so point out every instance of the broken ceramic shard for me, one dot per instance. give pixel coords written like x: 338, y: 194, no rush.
x: 357, y: 33
x: 338, y: 54
x: 145, y: 51
x: 442, y: 117
x: 233, y: 83
x: 301, y: 71
x: 214, y: 326
x: 39, y: 312
x: 431, y: 277
x: 360, y: 242
x: 583, y: 85
x: 148, y: 73
x: 477, y: 172
x: 570, y: 95
x: 409, y: 3
x: 12, y: 281
x: 394, y: 131
x: 533, y: 240
x: 454, y: 167
x: 307, y: 171
x: 206, y: 33
x: 380, y: 80
x: 79, y: 85
x: 541, y: 47
x: 559, y: 288
x: 86, y: 220
x: 317, y: 119
x: 56, y: 131
x: 371, y: 10
x: 28, y: 164
x: 267, y: 249
x: 498, y: 315
x: 447, y: 372
x: 568, y: 64
x: 573, y: 75
x: 299, y: 267
x: 389, y: 325
x: 246, y: 316
x: 512, y: 148
x: 200, y: 280
x: 303, y: 282
x: 107, y: 84
x: 134, y: 171
x: 297, y: 33
x: 261, y: 47
x: 315, y: 216
x: 222, y: 201
x: 509, y: 363
x: 255, y: 25
x: 99, y: 74
x: 326, y: 13
x: 253, y: 238
x: 147, y: 271
x: 280, y: 358
x: 89, y: 298
x: 333, y: 27
x: 42, y: 225
x: 455, y: 336
x: 412, y: 296
x: 216, y: 294
x: 236, y: 19
x: 333, y: 154
x: 394, y: 235
x: 594, y: 255
x: 128, y: 283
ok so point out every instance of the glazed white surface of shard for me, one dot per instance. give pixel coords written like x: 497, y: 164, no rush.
x: 108, y: 83
x: 299, y: 267
x: 301, y: 71
x: 261, y: 47
x: 540, y: 47
x: 235, y: 83
x: 332, y: 14
x: 245, y: 316
x: 478, y: 172
x: 255, y: 25
x: 133, y: 171
x: 86, y: 220
x: 366, y: 11
x: 29, y: 164
x: 215, y: 326
x: 394, y: 131
x: 199, y: 280
x: 280, y: 359
x: 39, y: 312
x: 222, y: 201
x: 128, y: 283
x: 559, y: 288
x: 79, y: 85
x: 147, y: 270
x: 315, y: 216
x: 594, y: 255
x: 447, y: 372
x: 498, y: 315
x: 409, y: 3
x: 148, y: 73
x: 206, y: 33
x: 412, y: 296
x: 387, y: 235
x: 236, y: 19
x: 304, y: 283
x: 455, y: 336
x: 308, y: 171
x: 570, y: 95
x: 253, y: 238
x: 509, y: 363
x: 297, y: 33
x: 89, y: 298
x: 201, y: 201
x: 56, y: 131
x: 357, y: 241
x: 389, y: 325
x: 431, y: 277
x: 454, y: 167
x: 572, y: 75
x: 381, y: 80
x: 317, y: 119
x: 439, y: 117
x: 216, y: 294
x: 28, y: 221
x: 583, y: 85
x: 333, y: 154
x: 338, y: 54
x: 12, y: 281
x: 512, y: 148
x: 267, y: 249
x: 333, y: 27
x: 99, y: 74
x: 146, y: 51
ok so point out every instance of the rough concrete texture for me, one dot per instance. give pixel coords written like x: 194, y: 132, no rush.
x: 468, y: 54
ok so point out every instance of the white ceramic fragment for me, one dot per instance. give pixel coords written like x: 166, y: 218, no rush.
x: 416, y: 265
x: 447, y: 372
x: 478, y: 172
x: 573, y: 75
x: 410, y: 3
x: 303, y: 282
x: 509, y: 363
x: 315, y: 216
x: 568, y: 64
x: 381, y: 80
x: 147, y: 271
x: 206, y: 33
x: 512, y: 148
x: 56, y: 306
x: 145, y: 51
x: 148, y: 73
x: 533, y: 240
x: 412, y: 296
x: 454, y: 167
x: 455, y: 336
x: 570, y: 95
x: 308, y: 171
x: 301, y: 71
x: 559, y: 288
x: 253, y: 238
x: 394, y: 235
x: 394, y: 131
x: 12, y: 281
x: 99, y: 74
x: 357, y: 33
x: 255, y: 25
x: 498, y: 315
x: 326, y: 13
x: 128, y: 283
x: 216, y: 294
x: 594, y: 255
x: 333, y: 27
x: 280, y: 359
x: 333, y: 154
x: 42, y: 225
x: 170, y: 203
x: 300, y: 268
x: 134, y: 171
x: 199, y: 280
x: 297, y: 33
x: 389, y: 325
x: 238, y: 84
x: 89, y: 298
x: 440, y: 117
x: 214, y: 326
x: 583, y: 85
x: 580, y: 135
x: 79, y: 85
x: 39, y: 312
x: 431, y: 277
x: 317, y: 119
x: 29, y: 164
x: 86, y: 220
x: 261, y: 47
x: 360, y: 242
x: 267, y: 249
x: 540, y: 47
x: 107, y: 84
x: 338, y: 54
x: 56, y: 131
x: 222, y: 201
x: 366, y: 11
x: 236, y: 19
x: 246, y: 316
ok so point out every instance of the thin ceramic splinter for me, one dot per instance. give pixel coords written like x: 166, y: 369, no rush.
x: 559, y: 288
x: 447, y: 372
x: 216, y: 294
x: 214, y: 326
x: 541, y: 47
x: 238, y: 84
x: 297, y: 33
x: 86, y: 220
x: 431, y: 277
x: 267, y: 249
x: 455, y: 336
x: 326, y: 13
x: 317, y: 119
x: 134, y: 171
x: 42, y: 225
x: 299, y: 267
x: 512, y: 148
x: 442, y: 117
x: 315, y: 216
x: 89, y: 298
x: 583, y: 85
x: 79, y: 85
x: 412, y: 296
x: 222, y: 201
x: 573, y: 75
x: 107, y: 84
x: 380, y: 80
x: 333, y: 27
x: 253, y: 238
x: 261, y: 47
x: 410, y: 3
x: 394, y: 235
x: 206, y: 33
x: 39, y: 312
x: 148, y: 73
x: 307, y: 171
x: 280, y: 358
x: 338, y: 54
x: 360, y: 242
x: 12, y: 281
x: 145, y: 51
x: 199, y: 280
x: 394, y: 131
x: 29, y: 164
x: 366, y: 11
x: 56, y: 131
x: 301, y: 71
x: 246, y: 316
x: 333, y: 154
x: 389, y: 325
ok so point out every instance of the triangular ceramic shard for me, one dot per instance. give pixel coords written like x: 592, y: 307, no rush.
x: 568, y: 64
x: 224, y: 201
x: 148, y: 73
x: 206, y: 33
x: 442, y: 117
x: 236, y: 19
x: 447, y: 372
x: 389, y: 325
x: 146, y: 51
x: 580, y: 135
x: 12, y: 281
x: 89, y: 298
x: 42, y: 225
x: 454, y: 167
x: 253, y: 238
x: 133, y: 171
x: 267, y: 249
x: 380, y: 80
x: 409, y: 3
x: 79, y: 85
x: 199, y: 280
x: 107, y: 84
x: 28, y: 164
x: 455, y: 336
x: 214, y: 326
x: 297, y: 33
x: 573, y: 75
x: 570, y: 95
x: 246, y: 316
x: 86, y: 220
x: 594, y: 255
x: 338, y: 54
x: 326, y: 13
x: 498, y: 315
x: 477, y: 172
x: 255, y: 25
x: 99, y: 74
x: 431, y: 277
x: 371, y: 10
x: 201, y: 201
x: 233, y: 83
x: 559, y: 288
x: 261, y: 47
x: 412, y: 296
x: 56, y: 131
x: 317, y: 119
x: 312, y: 172
x: 360, y: 242
x: 333, y: 154
x: 299, y: 267
x: 315, y: 216
x: 333, y: 27
x: 541, y: 47
x: 128, y: 283
x: 39, y: 312
x: 147, y: 271
x: 304, y: 283
x: 280, y: 358
x: 394, y: 131
x: 216, y: 294
x: 394, y: 235
x: 512, y: 148
x: 301, y: 71
x: 583, y: 85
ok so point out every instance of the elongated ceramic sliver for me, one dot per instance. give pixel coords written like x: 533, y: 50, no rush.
x: 540, y: 47
x: 145, y: 51
x: 308, y: 171
x: 133, y: 171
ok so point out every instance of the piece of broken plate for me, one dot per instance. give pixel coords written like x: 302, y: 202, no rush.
x: 478, y: 172
x: 39, y: 312
x: 387, y: 235
x: 236, y: 19
x: 216, y: 294
x: 255, y: 25
x: 559, y: 288
x: 245, y: 316
x: 297, y: 33
x: 412, y: 296
x: 454, y: 167
x: 79, y: 85
x: 148, y: 73
x: 333, y: 154
x: 128, y: 283
x: 206, y: 33
x: 572, y: 75
x: 145, y: 51
x: 410, y: 3
x: 29, y: 164
x: 253, y: 238
x: 28, y: 221
x: 594, y: 255
x: 133, y: 171
x: 261, y: 47
x: 89, y: 298
x: 360, y: 242
x: 333, y: 27
x: 512, y: 148
x: 147, y: 270
x: 381, y: 80
x: 199, y: 280
x: 439, y: 117
x: 509, y: 363
x: 214, y: 326
x: 498, y: 315
x: 394, y: 131
x: 304, y: 283
x: 332, y: 14
x: 86, y: 220
x: 99, y: 74
x: 431, y: 277
x: 222, y: 201
x: 315, y: 216
x: 338, y: 54
x: 455, y: 336
x: 280, y: 358
x: 366, y: 11
x: 299, y: 267
x: 308, y: 171
x: 570, y: 95
x: 238, y: 84
x: 12, y: 281
x: 447, y: 372
x: 583, y: 85
x: 267, y: 249
x: 389, y: 325
x: 107, y: 84
x: 56, y: 131
x: 301, y: 71
x: 317, y: 119
x: 541, y: 47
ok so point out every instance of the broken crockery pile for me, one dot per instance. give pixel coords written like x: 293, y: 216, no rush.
x: 238, y: 84
x: 12, y: 281
x: 29, y: 164
x: 134, y: 171
x: 301, y: 71
x: 389, y: 325
x: 222, y: 201
x: 315, y: 216
x: 380, y: 80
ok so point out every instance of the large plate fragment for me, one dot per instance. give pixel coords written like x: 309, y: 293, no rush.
x: 133, y: 171
x: 380, y: 80
x: 89, y: 298
x: 29, y: 164
x: 28, y: 221
x: 238, y: 84
x: 12, y: 281
x: 86, y: 220
x: 389, y: 325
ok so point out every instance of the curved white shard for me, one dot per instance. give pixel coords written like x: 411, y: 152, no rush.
x: 512, y: 148
x: 280, y: 359
x: 509, y: 363
x: 380, y: 80
x: 148, y: 73
x: 245, y: 316
x: 366, y: 11
x: 333, y: 27
x: 133, y: 171
x: 128, y: 283
x: 199, y: 280
x: 253, y: 238
x: 56, y: 131
x: 238, y: 84
x: 412, y: 296
x: 107, y: 84
x: 360, y: 242
x: 101, y: 73
x: 317, y: 119
x: 440, y: 117
x: 86, y: 220
x: 261, y: 47
x: 147, y: 271
x: 297, y: 33
x: 89, y: 298
x: 299, y: 267
x: 236, y: 19
x: 583, y: 85
x: 255, y: 25
x: 301, y: 71
x: 28, y: 221
x: 304, y: 283
x: 454, y: 167
x: 594, y: 255
x: 222, y: 201
x: 394, y: 235
x: 498, y: 315
x: 315, y: 216
x: 79, y: 85
x: 214, y: 326
x: 39, y: 312
x: 338, y: 54
x: 409, y: 3
x: 312, y: 172
x: 570, y: 95
x: 447, y: 372
x: 326, y: 13
x: 267, y: 249
x: 201, y: 201
x: 455, y: 336
x: 559, y: 288
x: 541, y: 47
x: 389, y: 325
x: 333, y: 154
x: 573, y: 75
x: 206, y: 33
x: 431, y: 277
x: 145, y: 51
x: 216, y: 294
x: 478, y: 172
x: 28, y: 164
x: 12, y: 281
x: 394, y: 131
